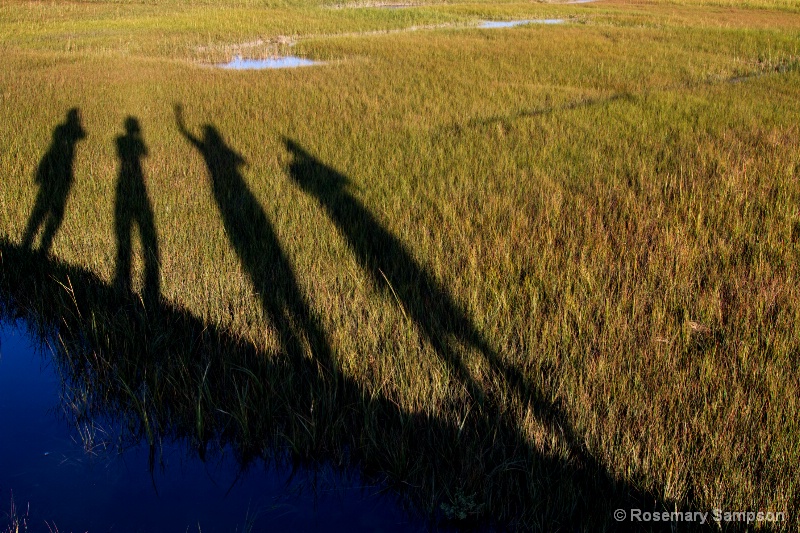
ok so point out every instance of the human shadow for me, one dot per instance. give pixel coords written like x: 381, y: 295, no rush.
x: 132, y: 207
x: 254, y: 239
x: 170, y: 375
x: 54, y: 177
x: 392, y: 268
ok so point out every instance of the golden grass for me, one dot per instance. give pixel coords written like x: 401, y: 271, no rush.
x: 615, y: 215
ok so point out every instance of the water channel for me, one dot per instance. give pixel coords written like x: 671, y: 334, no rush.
x: 68, y: 472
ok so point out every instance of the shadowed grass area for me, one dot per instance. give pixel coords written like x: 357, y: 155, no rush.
x: 577, y: 241
x: 160, y: 373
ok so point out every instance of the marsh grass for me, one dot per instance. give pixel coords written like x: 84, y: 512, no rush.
x: 612, y: 204
x: 159, y: 374
x: 16, y: 523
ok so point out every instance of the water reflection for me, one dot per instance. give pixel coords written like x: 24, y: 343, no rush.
x: 74, y: 466
x: 204, y: 416
x: 238, y: 63
x: 513, y: 23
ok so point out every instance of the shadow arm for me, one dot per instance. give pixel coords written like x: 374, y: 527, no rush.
x: 182, y: 127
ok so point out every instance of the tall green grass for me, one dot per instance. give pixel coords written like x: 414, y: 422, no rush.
x: 612, y: 202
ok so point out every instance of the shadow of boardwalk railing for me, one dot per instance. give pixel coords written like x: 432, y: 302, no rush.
x: 168, y: 374
x: 164, y: 373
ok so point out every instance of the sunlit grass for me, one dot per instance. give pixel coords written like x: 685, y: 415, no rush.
x: 613, y: 201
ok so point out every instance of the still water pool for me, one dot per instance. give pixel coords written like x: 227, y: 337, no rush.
x: 238, y: 63
x: 73, y: 476
x: 513, y: 23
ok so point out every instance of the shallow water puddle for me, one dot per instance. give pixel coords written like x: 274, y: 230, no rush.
x: 512, y: 23
x: 238, y: 63
x: 74, y: 476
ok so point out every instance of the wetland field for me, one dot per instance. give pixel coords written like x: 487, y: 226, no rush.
x: 514, y: 265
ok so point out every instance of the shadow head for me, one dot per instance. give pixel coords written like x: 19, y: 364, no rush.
x: 211, y: 137
x: 132, y: 126
x: 73, y: 123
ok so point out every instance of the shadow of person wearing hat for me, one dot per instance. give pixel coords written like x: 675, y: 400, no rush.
x: 54, y: 176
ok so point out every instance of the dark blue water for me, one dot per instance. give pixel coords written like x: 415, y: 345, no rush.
x: 72, y: 477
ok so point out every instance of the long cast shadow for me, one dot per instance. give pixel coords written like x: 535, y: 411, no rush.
x: 170, y: 375
x: 132, y: 206
x: 392, y: 267
x: 253, y: 238
x: 54, y: 177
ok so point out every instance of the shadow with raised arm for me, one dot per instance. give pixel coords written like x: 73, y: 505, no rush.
x: 254, y: 239
x: 392, y: 268
x: 491, y: 434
